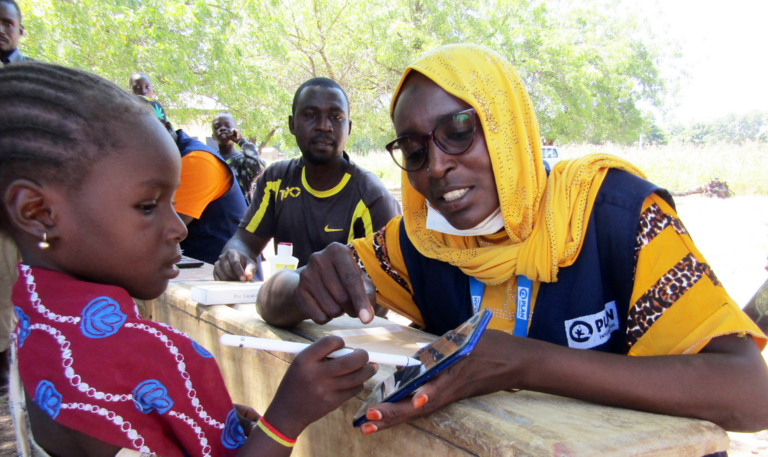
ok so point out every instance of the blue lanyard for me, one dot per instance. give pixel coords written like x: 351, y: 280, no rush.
x: 476, y: 290
x: 522, y: 313
x: 524, y: 286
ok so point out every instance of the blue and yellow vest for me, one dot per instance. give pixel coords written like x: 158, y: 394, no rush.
x: 587, y: 307
x: 218, y: 223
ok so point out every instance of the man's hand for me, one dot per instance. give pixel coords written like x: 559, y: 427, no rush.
x: 234, y: 266
x: 331, y: 284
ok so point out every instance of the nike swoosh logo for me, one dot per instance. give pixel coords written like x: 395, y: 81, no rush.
x: 332, y: 230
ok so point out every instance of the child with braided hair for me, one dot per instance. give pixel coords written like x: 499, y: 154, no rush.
x: 90, y: 208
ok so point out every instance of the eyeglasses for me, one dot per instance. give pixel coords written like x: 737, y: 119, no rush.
x: 453, y: 135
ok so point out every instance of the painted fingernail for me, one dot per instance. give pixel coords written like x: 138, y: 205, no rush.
x: 367, y: 429
x: 364, y: 315
x: 373, y: 415
x: 420, y: 401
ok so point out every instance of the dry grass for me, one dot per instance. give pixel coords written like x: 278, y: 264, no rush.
x: 680, y: 167
x: 674, y: 167
x: 379, y: 163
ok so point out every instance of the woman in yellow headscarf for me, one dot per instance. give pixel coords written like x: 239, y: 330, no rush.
x: 591, y: 256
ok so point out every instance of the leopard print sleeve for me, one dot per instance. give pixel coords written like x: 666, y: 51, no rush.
x: 357, y: 257
x: 359, y: 262
x: 673, y: 284
x: 379, y: 242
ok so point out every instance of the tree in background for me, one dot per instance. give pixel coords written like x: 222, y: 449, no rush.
x: 586, y: 66
x: 733, y: 128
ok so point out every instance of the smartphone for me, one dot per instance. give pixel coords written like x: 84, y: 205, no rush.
x: 436, y: 357
x: 187, y: 262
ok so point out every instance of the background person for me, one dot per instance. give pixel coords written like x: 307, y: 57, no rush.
x: 11, y: 31
x: 90, y: 205
x: 208, y: 200
x: 315, y: 200
x: 141, y: 85
x: 609, y: 266
x: 246, y: 163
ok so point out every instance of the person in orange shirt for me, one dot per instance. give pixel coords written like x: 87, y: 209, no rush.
x: 209, y: 199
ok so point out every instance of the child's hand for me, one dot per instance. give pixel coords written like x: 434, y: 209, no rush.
x: 248, y: 417
x: 235, y: 135
x: 314, y: 386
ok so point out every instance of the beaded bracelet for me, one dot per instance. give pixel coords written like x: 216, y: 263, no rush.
x: 274, y: 434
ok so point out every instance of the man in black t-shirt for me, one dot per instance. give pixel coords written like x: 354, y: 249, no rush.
x: 314, y: 200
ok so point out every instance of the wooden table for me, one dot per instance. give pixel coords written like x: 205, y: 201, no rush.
x: 500, y: 424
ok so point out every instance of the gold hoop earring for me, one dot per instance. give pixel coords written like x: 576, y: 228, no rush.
x: 44, y: 244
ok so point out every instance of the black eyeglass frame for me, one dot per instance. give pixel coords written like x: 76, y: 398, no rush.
x: 431, y: 136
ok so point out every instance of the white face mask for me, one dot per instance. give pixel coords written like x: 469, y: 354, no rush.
x: 438, y: 223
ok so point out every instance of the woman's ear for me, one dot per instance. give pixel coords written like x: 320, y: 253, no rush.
x: 31, y: 208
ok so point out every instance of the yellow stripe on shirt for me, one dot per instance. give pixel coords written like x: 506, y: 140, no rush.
x: 361, y: 212
x: 272, y: 186
x: 324, y: 193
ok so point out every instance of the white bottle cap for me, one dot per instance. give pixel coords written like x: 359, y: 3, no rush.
x: 285, y: 249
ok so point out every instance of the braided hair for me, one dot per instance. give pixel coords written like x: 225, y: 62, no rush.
x: 56, y: 122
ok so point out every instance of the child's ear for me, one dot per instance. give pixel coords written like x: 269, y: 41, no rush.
x: 31, y: 208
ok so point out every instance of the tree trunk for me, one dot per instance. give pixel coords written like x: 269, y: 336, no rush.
x: 267, y: 139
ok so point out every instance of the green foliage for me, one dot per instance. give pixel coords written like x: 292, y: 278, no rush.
x: 656, y: 135
x: 586, y: 66
x: 736, y: 129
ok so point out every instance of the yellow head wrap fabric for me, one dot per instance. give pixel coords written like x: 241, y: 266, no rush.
x: 545, y: 219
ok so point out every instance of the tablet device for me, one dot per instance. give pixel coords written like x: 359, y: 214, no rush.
x: 436, y: 357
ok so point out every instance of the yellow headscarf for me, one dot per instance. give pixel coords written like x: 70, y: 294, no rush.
x: 545, y: 219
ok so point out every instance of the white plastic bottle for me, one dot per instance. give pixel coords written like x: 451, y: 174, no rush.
x: 284, y: 260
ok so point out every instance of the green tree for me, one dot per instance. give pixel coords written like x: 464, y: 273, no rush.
x: 732, y: 128
x: 586, y: 66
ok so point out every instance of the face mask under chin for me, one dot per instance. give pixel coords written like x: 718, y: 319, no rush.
x: 492, y: 224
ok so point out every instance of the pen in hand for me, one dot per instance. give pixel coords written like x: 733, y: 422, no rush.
x: 294, y: 348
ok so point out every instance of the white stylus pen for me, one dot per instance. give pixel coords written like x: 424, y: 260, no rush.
x: 294, y: 348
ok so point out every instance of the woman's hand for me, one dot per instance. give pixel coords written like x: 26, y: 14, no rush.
x: 676, y: 385
x: 484, y: 371
x: 332, y: 284
x: 314, y: 386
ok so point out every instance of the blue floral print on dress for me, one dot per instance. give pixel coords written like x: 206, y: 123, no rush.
x: 151, y: 395
x: 48, y: 399
x: 233, y: 436
x: 102, y: 317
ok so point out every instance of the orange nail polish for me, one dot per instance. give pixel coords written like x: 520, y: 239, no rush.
x: 421, y: 400
x: 373, y: 415
x: 367, y: 429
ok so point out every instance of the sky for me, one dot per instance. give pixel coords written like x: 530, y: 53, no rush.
x: 724, y: 46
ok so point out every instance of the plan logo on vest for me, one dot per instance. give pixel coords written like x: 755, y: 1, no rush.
x: 593, y: 330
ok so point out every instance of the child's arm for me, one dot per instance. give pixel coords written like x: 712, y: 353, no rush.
x: 61, y: 440
x: 313, y: 387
